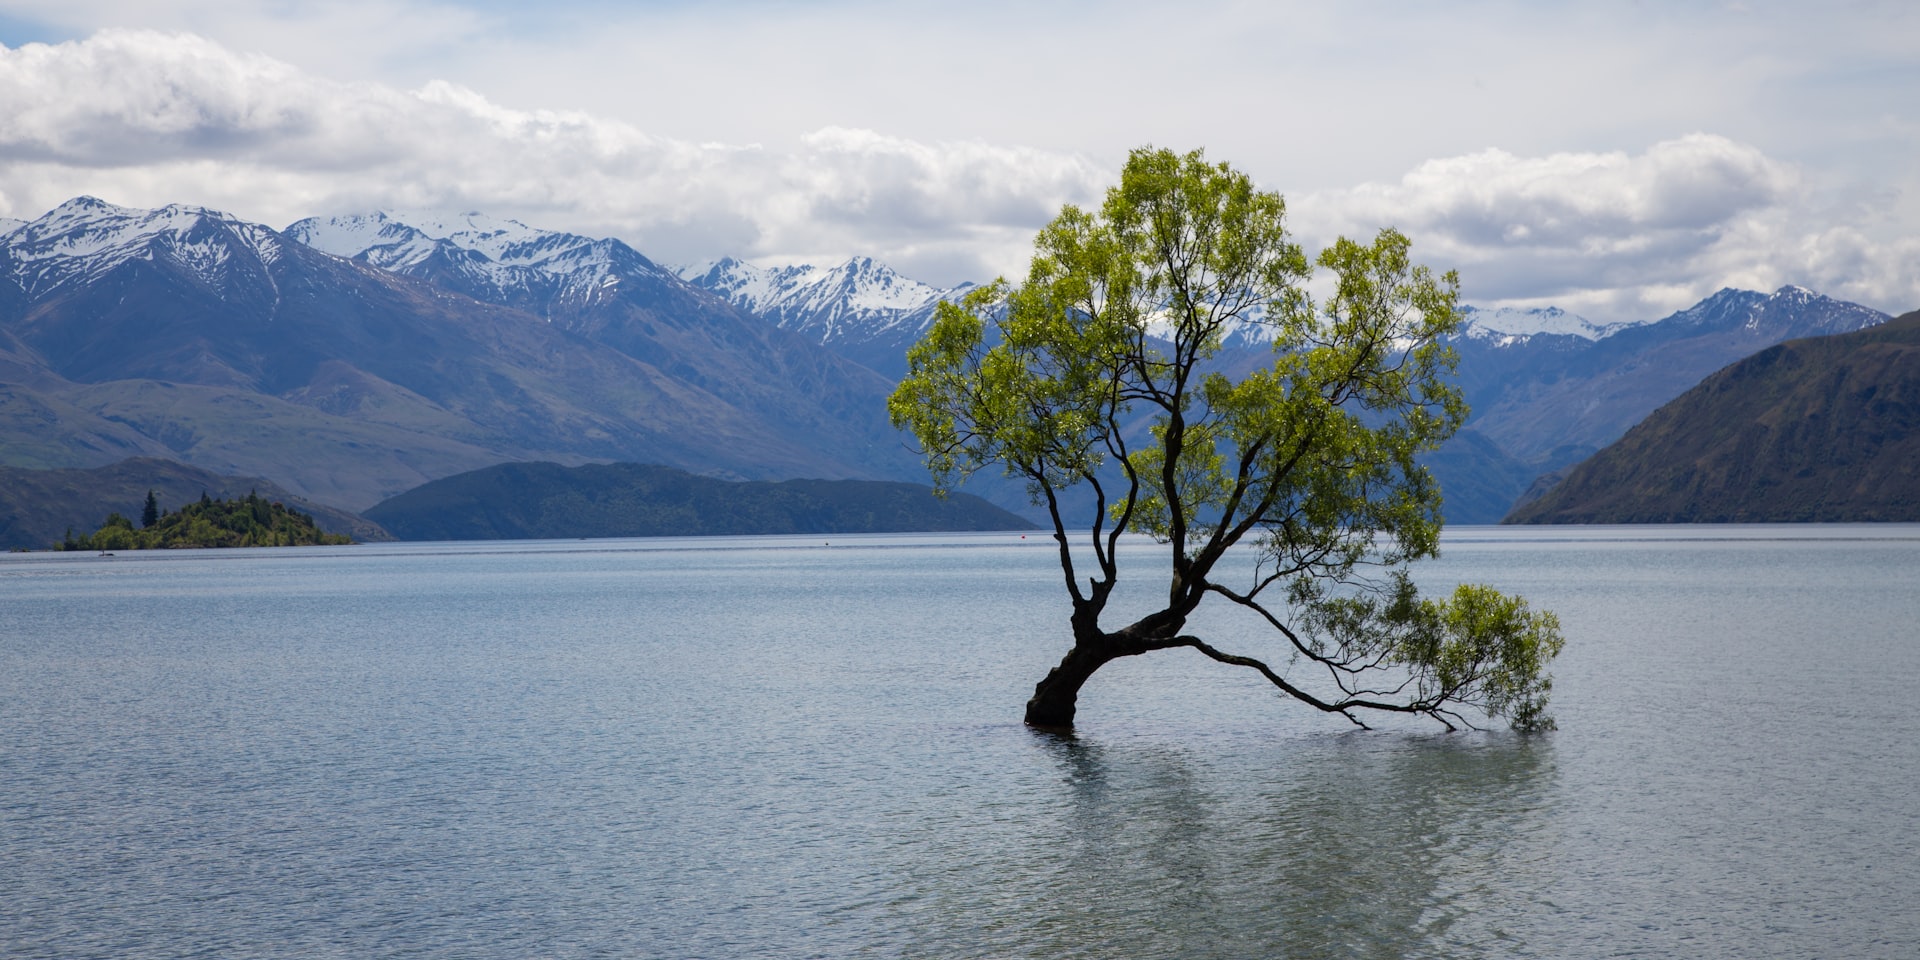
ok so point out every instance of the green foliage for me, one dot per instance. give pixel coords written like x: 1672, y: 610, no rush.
x: 247, y: 522
x: 1102, y: 385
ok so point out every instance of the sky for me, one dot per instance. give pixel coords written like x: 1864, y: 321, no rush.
x: 1619, y: 160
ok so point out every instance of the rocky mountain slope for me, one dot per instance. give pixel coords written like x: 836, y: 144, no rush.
x: 350, y: 358
x: 185, y: 333
x: 1547, y: 388
x: 861, y: 309
x: 1550, y: 400
x: 1820, y: 429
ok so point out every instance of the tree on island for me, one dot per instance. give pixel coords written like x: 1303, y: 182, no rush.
x: 1100, y: 387
x: 247, y: 522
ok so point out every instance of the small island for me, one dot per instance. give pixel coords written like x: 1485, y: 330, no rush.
x: 249, y: 521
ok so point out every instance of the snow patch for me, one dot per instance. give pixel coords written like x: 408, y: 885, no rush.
x: 505, y: 255
x: 85, y: 237
x: 857, y: 300
x: 1503, y: 324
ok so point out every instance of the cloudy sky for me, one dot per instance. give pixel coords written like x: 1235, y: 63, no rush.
x: 1621, y: 160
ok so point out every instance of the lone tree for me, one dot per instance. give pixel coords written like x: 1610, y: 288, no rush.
x: 1103, y: 385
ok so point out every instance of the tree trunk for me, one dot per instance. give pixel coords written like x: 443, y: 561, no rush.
x: 1054, y: 697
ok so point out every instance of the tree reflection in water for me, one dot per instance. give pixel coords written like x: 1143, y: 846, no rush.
x: 1349, y: 845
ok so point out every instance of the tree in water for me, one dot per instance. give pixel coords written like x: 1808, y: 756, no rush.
x: 1102, y: 385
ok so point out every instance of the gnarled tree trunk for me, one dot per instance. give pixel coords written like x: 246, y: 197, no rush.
x: 1054, y: 696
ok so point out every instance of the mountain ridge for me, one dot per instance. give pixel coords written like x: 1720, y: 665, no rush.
x: 254, y: 353
x: 861, y: 308
x: 403, y: 347
x: 1823, y: 429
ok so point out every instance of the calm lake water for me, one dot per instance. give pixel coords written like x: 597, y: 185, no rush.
x: 780, y: 748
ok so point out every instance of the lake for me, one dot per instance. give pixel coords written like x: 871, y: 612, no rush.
x: 789, y: 747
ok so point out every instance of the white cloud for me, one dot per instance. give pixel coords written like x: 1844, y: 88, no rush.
x: 149, y: 118
x: 1620, y: 236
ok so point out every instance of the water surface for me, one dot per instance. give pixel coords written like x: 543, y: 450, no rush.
x: 777, y: 747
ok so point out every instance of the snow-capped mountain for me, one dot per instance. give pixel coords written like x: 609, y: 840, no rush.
x: 861, y: 309
x: 1508, y: 322
x: 853, y: 300
x: 85, y: 238
x: 182, y: 332
x: 1552, y: 399
x: 1504, y: 325
x: 1787, y: 313
x: 491, y: 259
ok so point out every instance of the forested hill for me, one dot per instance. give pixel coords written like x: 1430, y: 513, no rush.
x: 539, y: 501
x: 251, y: 521
x: 38, y: 506
x: 1825, y: 429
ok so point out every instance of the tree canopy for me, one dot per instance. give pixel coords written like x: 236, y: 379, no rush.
x: 1097, y: 378
x: 251, y: 521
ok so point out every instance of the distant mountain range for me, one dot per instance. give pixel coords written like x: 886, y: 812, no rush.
x: 1552, y: 399
x: 184, y: 333
x: 544, y: 501
x: 353, y: 358
x: 1819, y: 429
x: 1547, y: 388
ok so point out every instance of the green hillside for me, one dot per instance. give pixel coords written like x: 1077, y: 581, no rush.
x: 537, y: 501
x: 37, y: 507
x: 1825, y: 429
x: 251, y: 521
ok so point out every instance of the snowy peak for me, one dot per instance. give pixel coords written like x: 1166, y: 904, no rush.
x: 383, y: 241
x: 1509, y: 322
x: 1789, y: 312
x: 399, y: 240
x: 84, y: 238
x: 860, y: 299
x: 501, y: 261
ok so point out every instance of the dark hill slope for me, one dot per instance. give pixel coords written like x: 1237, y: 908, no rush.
x: 1825, y: 429
x: 541, y: 501
x: 37, y: 507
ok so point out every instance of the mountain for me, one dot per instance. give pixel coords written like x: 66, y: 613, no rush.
x: 37, y: 507
x: 1478, y: 480
x: 1824, y: 429
x: 1546, y: 387
x: 186, y: 333
x: 861, y: 309
x: 609, y: 293
x: 1508, y: 322
x: 1551, y: 399
x: 543, y: 501
x: 350, y: 358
